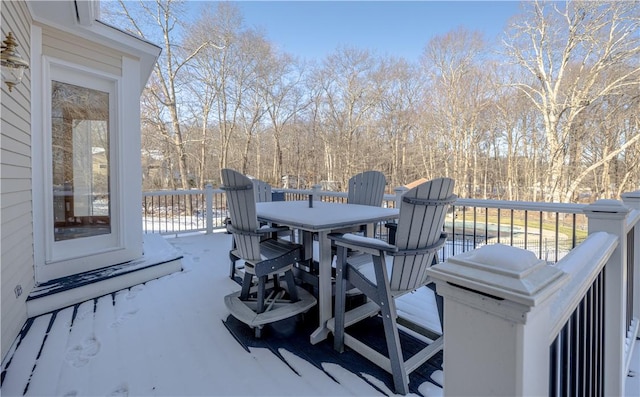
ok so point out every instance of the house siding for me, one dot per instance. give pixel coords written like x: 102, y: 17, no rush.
x: 62, y: 45
x: 16, y: 216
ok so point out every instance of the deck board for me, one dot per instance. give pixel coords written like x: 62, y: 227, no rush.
x: 292, y: 336
x: 50, y: 358
x: 19, y: 368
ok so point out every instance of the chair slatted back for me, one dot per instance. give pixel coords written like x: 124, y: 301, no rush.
x: 367, y: 188
x: 262, y: 191
x: 420, y: 224
x: 241, y: 203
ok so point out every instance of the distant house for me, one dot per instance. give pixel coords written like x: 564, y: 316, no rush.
x: 415, y: 183
x: 293, y: 182
x: 71, y: 172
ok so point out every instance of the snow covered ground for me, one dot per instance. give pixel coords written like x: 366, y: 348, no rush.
x: 166, y: 338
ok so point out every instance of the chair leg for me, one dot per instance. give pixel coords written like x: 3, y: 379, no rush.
x: 232, y: 257
x: 291, y: 285
x: 341, y: 290
x: 246, y: 286
x: 232, y: 271
x: 400, y: 377
x: 391, y: 334
x: 261, y: 292
x: 439, y: 303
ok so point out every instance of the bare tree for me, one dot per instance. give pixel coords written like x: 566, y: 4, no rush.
x: 460, y: 92
x: 162, y: 18
x: 567, y: 49
x: 350, y: 95
x: 281, y: 89
x: 401, y: 89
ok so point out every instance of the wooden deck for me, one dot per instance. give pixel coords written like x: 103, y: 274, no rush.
x: 173, y: 336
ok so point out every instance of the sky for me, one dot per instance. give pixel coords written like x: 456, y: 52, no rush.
x: 314, y: 29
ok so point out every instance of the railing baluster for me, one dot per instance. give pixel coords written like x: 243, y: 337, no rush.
x: 591, y: 332
x: 582, y: 363
x: 557, y: 234
x: 499, y: 226
x: 540, y: 234
x: 511, y: 230
x: 526, y: 229
x: 574, y: 234
x: 630, y: 276
x: 486, y: 225
x: 464, y: 227
x: 600, y: 340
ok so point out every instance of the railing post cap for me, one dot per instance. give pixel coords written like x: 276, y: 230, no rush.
x: 634, y: 194
x: 502, y: 272
x: 607, y: 206
x: 631, y: 199
x: 400, y: 189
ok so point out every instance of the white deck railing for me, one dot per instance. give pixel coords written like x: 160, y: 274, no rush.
x: 549, y: 230
x: 502, y: 304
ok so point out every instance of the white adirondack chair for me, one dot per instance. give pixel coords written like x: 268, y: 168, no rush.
x: 384, y: 272
x: 262, y: 193
x: 266, y: 257
x: 367, y: 188
x: 262, y: 190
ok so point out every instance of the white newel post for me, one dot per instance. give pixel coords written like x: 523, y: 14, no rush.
x: 632, y: 200
x: 610, y: 216
x: 399, y: 191
x: 496, y: 321
x: 316, y: 190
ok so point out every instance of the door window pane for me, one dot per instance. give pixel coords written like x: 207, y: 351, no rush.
x: 80, y: 152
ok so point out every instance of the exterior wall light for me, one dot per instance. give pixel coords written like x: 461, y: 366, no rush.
x: 11, y: 62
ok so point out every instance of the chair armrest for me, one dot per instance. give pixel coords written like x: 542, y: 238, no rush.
x: 260, y: 232
x: 272, y: 229
x: 368, y: 245
x: 424, y: 250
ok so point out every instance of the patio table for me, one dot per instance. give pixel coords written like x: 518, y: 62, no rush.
x: 321, y: 219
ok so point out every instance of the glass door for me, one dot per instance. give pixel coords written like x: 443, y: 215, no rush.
x: 80, y: 166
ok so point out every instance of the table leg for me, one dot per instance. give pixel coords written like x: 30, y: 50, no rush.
x: 306, y: 239
x: 370, y: 232
x: 324, y: 288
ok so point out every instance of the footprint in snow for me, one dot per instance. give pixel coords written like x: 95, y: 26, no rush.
x: 82, y: 315
x: 133, y: 291
x: 121, y: 391
x: 79, y: 316
x: 81, y: 354
x: 124, y: 317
